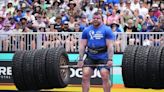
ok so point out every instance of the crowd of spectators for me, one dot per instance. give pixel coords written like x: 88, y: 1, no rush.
x: 75, y: 15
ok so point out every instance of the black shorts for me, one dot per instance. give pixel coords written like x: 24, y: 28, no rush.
x: 90, y: 61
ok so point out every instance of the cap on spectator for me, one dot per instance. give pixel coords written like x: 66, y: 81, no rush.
x: 151, y: 10
x: 140, y: 17
x: 65, y: 22
x: 91, y: 3
x: 9, y: 2
x: 23, y: 19
x: 23, y: 5
x: 116, y: 5
x: 155, y: 5
x: 28, y: 10
x: 72, y: 2
x: 7, y: 24
x: 83, y: 16
x: 48, y: 6
x: 62, y: 10
x: 141, y: 2
x: 115, y: 23
x: 128, y: 1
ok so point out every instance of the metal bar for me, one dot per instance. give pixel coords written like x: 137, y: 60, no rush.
x: 99, y: 65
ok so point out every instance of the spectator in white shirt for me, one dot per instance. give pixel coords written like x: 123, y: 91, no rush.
x: 135, y: 5
x: 90, y: 11
x: 5, y: 36
x: 143, y: 9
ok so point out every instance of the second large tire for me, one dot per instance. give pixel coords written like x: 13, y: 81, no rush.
x: 40, y: 69
x: 141, y: 66
x: 28, y: 70
x: 128, y: 66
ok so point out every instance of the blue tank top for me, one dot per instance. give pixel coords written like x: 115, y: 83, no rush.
x: 97, y: 38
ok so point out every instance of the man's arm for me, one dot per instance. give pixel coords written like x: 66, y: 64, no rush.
x: 110, y: 49
x: 83, y: 43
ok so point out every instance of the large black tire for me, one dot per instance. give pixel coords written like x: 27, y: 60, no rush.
x: 162, y: 69
x: 40, y: 69
x: 17, y: 70
x: 54, y: 59
x: 153, y: 67
x: 28, y: 70
x: 141, y: 66
x: 128, y: 66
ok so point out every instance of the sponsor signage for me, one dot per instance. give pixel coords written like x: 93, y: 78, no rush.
x: 6, y: 72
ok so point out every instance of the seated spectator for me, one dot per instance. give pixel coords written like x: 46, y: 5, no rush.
x: 23, y: 23
x: 43, y: 4
x: 38, y: 23
x: 103, y: 15
x: 71, y: 22
x: 30, y: 27
x: 5, y: 36
x: 83, y: 22
x: 113, y: 17
x: 72, y: 8
x: 149, y: 22
x: 135, y: 5
x: 45, y: 18
x: 19, y: 15
x: 17, y: 28
x: 131, y: 28
x: 90, y: 10
x: 55, y: 8
x: 139, y: 22
x: 37, y: 10
x: 106, y: 9
x: 64, y: 16
x: 29, y: 16
x: 116, y: 7
x: 143, y: 9
x: 157, y: 12
x: 77, y: 28
x: 66, y: 27
x: 50, y: 12
x: 127, y: 16
x: 117, y: 43
x: 12, y: 22
x: 52, y: 29
x: 58, y: 24
x: 10, y: 9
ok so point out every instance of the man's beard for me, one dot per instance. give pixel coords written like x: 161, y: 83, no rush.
x: 96, y: 24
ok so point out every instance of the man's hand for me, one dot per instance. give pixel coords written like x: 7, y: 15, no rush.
x: 80, y: 63
x: 109, y: 63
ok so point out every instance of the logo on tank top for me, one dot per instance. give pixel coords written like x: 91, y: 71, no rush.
x: 97, y: 35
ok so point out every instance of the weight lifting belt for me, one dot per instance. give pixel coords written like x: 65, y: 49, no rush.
x: 97, y: 50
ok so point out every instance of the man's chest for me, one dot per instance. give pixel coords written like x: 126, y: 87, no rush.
x: 96, y: 35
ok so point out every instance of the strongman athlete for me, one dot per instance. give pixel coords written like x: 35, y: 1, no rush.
x: 98, y: 39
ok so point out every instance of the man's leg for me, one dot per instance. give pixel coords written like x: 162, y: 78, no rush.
x: 105, y: 79
x: 87, y: 72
